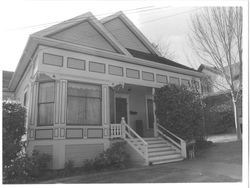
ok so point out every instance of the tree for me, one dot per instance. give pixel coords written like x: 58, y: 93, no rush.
x: 179, y: 110
x: 216, y: 37
x: 13, y: 130
x: 165, y: 50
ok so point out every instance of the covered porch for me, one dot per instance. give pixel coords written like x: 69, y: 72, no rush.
x: 135, y: 104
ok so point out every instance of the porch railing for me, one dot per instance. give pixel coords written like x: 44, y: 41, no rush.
x: 116, y: 131
x: 171, y: 137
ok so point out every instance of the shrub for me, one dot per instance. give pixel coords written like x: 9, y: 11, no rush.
x: 113, y: 157
x: 25, y: 169
x: 68, y: 167
x: 179, y: 110
x: 13, y: 130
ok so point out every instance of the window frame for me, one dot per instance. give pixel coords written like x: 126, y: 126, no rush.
x: 84, y: 63
x: 81, y: 124
x: 38, y: 103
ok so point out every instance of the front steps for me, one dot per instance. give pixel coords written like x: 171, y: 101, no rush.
x: 160, y: 151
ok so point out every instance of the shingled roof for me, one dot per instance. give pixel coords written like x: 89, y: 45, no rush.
x: 156, y: 58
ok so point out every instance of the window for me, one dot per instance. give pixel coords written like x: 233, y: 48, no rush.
x: 84, y: 104
x: 76, y: 63
x: 25, y: 99
x: 51, y: 59
x: 174, y: 80
x: 46, y: 103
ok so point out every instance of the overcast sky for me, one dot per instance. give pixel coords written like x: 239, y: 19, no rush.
x: 160, y: 21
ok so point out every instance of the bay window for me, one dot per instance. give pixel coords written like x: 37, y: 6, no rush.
x: 84, y: 104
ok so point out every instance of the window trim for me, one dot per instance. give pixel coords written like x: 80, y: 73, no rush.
x: 148, y: 79
x: 99, y: 64
x: 185, y: 80
x: 53, y: 55
x: 40, y: 125
x: 117, y: 67
x: 179, y: 82
x: 132, y: 70
x: 84, y: 61
x: 167, y: 81
x: 71, y: 124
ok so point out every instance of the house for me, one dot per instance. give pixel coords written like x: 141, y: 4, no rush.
x: 88, y: 82
x: 7, y: 94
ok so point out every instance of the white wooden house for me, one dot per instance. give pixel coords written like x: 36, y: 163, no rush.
x: 86, y: 82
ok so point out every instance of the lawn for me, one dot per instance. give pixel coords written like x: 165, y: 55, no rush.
x: 219, y: 163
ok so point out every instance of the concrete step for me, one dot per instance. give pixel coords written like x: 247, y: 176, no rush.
x: 164, y: 158
x: 169, y: 148
x: 167, y: 161
x: 159, y: 145
x: 162, y: 153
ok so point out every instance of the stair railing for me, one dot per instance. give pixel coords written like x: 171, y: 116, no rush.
x: 134, y: 140
x: 171, y: 137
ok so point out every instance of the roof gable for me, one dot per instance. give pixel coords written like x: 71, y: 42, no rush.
x: 84, y: 30
x: 84, y: 34
x: 127, y: 33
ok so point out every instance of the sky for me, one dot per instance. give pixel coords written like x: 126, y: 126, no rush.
x: 160, y: 21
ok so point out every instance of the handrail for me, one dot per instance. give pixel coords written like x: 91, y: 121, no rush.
x: 141, y: 147
x: 140, y: 138
x: 182, y: 145
x: 170, y: 132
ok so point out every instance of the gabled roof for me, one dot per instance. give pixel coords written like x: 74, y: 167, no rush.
x: 94, y: 24
x: 158, y: 59
x: 133, y: 29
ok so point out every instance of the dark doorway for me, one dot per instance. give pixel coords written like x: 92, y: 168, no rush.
x: 150, y: 114
x: 121, y: 109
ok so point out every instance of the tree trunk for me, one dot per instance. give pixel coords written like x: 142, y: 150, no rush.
x: 236, y: 120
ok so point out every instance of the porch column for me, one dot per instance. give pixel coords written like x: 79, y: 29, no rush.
x: 155, y: 119
x: 105, y: 110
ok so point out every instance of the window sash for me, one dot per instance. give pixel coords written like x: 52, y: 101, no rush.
x: 46, y: 98
x: 84, y: 107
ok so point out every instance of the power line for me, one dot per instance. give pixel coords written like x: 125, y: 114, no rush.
x: 148, y: 8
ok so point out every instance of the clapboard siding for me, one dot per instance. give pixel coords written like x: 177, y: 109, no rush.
x: 46, y: 149
x: 125, y: 36
x: 80, y: 152
x: 84, y: 34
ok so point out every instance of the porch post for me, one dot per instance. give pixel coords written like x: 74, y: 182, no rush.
x: 105, y: 110
x: 155, y: 120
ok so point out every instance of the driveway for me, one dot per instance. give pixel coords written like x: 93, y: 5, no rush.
x: 219, y: 163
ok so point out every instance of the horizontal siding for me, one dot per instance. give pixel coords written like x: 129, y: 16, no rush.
x: 81, y: 152
x: 84, y: 34
x: 124, y: 35
x: 46, y: 149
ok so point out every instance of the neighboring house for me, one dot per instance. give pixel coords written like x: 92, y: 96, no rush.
x: 82, y: 76
x: 215, y: 84
x: 7, y: 94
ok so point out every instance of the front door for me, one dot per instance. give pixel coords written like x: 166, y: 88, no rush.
x: 150, y: 113
x: 121, y: 109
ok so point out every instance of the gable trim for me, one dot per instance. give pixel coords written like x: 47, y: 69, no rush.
x: 133, y: 29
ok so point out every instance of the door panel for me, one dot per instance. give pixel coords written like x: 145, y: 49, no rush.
x: 121, y: 109
x: 150, y: 113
